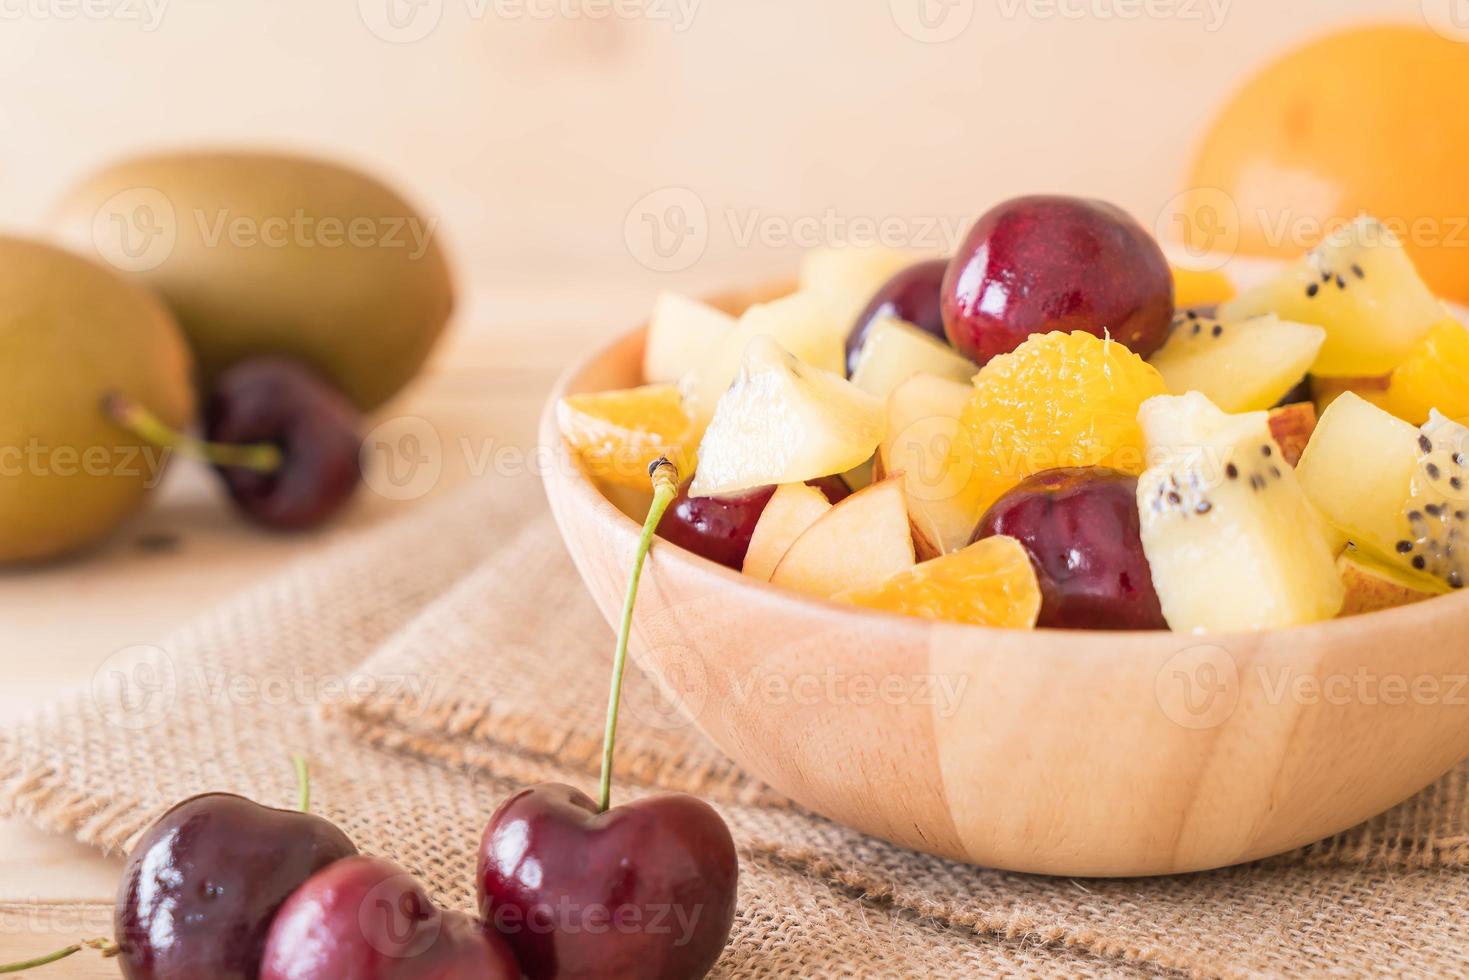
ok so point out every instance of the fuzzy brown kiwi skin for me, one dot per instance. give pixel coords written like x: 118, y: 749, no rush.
x: 72, y: 331
x: 363, y: 310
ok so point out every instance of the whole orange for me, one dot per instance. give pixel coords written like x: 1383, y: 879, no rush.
x: 1372, y: 120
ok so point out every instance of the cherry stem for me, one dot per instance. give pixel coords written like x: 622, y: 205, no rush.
x: 665, y: 487
x: 105, y: 946
x: 262, y: 457
x: 303, y: 783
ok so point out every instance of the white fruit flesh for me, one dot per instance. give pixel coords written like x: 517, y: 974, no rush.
x: 924, y: 444
x: 1358, y: 471
x: 861, y: 542
x: 784, y: 421
x: 1361, y: 286
x: 1246, y: 366
x: 681, y: 334
x: 895, y: 351
x: 1229, y: 534
x: 800, y: 323
x: 846, y: 279
x: 792, y: 509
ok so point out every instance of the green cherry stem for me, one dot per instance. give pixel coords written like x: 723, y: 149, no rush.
x: 260, y: 457
x: 303, y: 783
x: 105, y: 946
x: 665, y: 487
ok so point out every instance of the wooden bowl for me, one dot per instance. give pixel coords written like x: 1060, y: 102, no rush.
x: 1053, y: 752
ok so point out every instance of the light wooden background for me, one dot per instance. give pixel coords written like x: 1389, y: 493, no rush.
x: 550, y: 148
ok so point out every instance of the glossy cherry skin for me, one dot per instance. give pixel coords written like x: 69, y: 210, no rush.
x: 911, y: 295
x: 1081, y: 529
x: 367, y: 919
x: 644, y: 890
x: 277, y: 400
x: 203, y: 885
x: 1037, y: 264
x: 720, y: 528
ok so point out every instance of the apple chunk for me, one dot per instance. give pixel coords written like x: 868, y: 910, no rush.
x: 925, y: 443
x: 680, y: 334
x: 1291, y: 426
x: 800, y: 323
x: 792, y: 509
x: 1372, y: 586
x: 860, y: 543
x: 895, y: 351
x: 784, y: 421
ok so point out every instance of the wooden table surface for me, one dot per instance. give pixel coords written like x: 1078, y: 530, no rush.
x: 487, y: 381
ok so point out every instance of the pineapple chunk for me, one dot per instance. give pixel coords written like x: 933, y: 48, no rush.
x: 680, y: 334
x: 846, y: 279
x: 1232, y: 540
x: 784, y: 421
x: 800, y: 323
x: 1361, y: 286
x: 895, y: 351
x: 1247, y: 366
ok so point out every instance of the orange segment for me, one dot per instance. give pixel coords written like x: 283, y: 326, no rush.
x: 1435, y: 375
x: 989, y: 583
x: 616, y: 434
x: 1058, y: 400
x: 1200, y: 287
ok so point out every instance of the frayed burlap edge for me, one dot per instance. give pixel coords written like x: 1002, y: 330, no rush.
x: 38, y: 794
x: 481, y: 738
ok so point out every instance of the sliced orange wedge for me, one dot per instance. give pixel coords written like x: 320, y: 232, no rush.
x: 616, y: 434
x: 989, y: 583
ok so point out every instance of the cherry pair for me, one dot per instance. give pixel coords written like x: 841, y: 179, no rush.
x: 569, y: 889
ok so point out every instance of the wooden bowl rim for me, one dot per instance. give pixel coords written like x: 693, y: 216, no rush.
x: 580, y: 484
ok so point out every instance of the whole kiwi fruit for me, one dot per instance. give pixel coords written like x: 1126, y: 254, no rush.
x: 72, y: 332
x: 268, y: 254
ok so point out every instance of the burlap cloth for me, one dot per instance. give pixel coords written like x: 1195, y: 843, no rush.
x: 430, y: 666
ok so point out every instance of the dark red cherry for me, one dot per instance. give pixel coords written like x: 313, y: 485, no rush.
x: 720, y: 528
x: 205, y: 882
x: 1081, y: 529
x: 368, y: 919
x: 1037, y: 264
x: 278, y: 401
x: 911, y: 295
x: 645, y: 890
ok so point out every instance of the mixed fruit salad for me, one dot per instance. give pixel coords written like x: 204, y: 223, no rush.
x: 1045, y: 430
